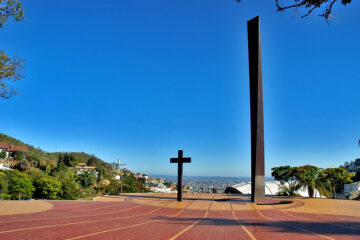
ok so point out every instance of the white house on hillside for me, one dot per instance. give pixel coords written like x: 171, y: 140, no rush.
x: 11, y: 149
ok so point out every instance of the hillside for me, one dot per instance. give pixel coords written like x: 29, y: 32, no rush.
x: 44, y: 159
x: 43, y: 175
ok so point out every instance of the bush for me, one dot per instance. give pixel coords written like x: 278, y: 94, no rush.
x: 69, y: 189
x: 3, y: 155
x: 113, y: 188
x: 22, y: 165
x: 47, y: 188
x: 4, y: 196
x: 20, y: 187
x: 19, y: 155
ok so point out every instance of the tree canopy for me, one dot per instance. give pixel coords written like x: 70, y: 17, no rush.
x: 309, y: 177
x: 10, y: 68
x: 336, y: 176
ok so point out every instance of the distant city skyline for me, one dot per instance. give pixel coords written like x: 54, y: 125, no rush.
x: 140, y: 80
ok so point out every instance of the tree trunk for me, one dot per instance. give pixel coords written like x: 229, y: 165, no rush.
x: 19, y: 195
x: 334, y: 192
x: 309, y: 191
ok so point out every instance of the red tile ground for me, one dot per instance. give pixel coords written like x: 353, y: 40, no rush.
x: 160, y: 217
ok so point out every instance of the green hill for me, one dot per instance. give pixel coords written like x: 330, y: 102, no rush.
x: 43, y: 175
x: 43, y: 159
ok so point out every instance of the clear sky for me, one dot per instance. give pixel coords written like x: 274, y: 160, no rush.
x: 140, y: 79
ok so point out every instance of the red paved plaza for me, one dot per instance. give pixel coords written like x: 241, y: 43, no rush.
x: 159, y: 216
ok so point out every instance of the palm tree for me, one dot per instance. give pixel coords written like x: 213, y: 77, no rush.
x: 322, y: 184
x: 290, y: 190
x: 289, y: 183
x: 86, y: 179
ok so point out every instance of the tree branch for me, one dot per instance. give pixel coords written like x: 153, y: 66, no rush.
x: 327, y: 12
x: 280, y: 9
x: 312, y: 5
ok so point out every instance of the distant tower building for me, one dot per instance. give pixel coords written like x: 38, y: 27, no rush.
x: 118, y: 165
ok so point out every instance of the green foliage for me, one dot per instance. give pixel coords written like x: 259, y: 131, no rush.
x: 114, y: 187
x: 46, y: 171
x: 19, y: 155
x: 356, y: 178
x: 290, y: 190
x: 48, y: 161
x: 11, y: 140
x: 22, y: 165
x: 306, y: 176
x: 10, y: 8
x: 322, y: 184
x: 353, y: 166
x: 68, y: 160
x: 10, y: 69
x: 4, y: 184
x: 283, y: 174
x: 69, y: 189
x: 60, y: 168
x: 20, y: 186
x: 86, y: 179
x: 131, y: 185
x: 101, y: 173
x: 167, y: 184
x: 336, y: 176
x: 46, y: 187
x: 91, y: 162
x: 4, y: 196
x: 3, y: 155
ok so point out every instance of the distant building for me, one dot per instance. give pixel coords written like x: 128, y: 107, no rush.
x: 11, y: 149
x: 126, y: 171
x: 81, y: 167
x: 138, y: 175
x: 146, y: 177
x: 161, y: 189
x: 116, y: 166
x: 352, y: 190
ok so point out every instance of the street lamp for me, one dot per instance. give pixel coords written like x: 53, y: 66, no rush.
x: 121, y: 176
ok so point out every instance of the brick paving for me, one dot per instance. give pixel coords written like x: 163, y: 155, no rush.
x: 199, y: 216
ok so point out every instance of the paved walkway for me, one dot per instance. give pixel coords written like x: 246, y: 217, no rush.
x: 199, y: 216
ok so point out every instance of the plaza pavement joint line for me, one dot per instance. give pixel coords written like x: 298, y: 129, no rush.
x: 192, y: 225
x: 83, y: 222
x: 77, y: 216
x: 336, y: 224
x: 241, y: 225
x: 129, y: 226
x: 302, y: 229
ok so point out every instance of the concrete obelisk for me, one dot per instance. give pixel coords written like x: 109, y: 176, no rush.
x: 256, y: 112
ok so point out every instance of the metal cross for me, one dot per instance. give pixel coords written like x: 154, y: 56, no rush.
x: 180, y: 160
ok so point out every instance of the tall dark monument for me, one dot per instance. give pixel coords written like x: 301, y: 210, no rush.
x: 256, y: 112
x: 180, y: 160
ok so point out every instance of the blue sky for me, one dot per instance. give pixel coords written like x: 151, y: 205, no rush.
x: 141, y: 79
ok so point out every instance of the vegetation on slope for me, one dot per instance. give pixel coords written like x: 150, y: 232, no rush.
x: 42, y: 175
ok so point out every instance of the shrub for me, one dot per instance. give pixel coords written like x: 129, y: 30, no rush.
x: 47, y: 187
x: 4, y: 196
x: 3, y: 155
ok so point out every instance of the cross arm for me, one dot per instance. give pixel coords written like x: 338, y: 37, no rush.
x: 174, y: 160
x: 181, y: 160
